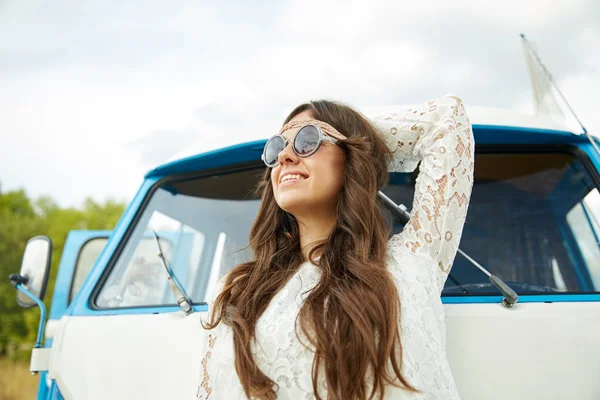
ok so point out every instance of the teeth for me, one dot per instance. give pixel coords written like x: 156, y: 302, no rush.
x: 291, y: 176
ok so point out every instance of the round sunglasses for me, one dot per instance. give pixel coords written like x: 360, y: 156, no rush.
x: 306, y: 143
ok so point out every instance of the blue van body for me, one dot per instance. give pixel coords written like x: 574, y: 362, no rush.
x: 486, y: 136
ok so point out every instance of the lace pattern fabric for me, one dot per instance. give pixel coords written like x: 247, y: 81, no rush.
x: 438, y: 135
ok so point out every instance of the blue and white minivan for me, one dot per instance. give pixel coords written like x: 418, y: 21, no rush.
x: 125, y: 314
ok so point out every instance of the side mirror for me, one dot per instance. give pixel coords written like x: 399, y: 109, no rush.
x: 35, y: 270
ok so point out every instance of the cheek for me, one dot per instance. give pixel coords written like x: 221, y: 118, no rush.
x: 330, y: 178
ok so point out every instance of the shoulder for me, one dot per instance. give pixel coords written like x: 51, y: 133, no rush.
x: 408, y: 266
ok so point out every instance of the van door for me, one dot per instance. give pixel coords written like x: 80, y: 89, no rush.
x: 133, y: 335
x: 80, y: 252
x: 124, y: 335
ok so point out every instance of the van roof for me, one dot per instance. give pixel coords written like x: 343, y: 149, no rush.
x: 490, y: 116
x: 490, y: 125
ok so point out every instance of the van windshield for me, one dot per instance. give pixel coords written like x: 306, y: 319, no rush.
x: 533, y: 220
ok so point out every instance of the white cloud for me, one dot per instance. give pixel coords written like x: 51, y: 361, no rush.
x: 93, y: 95
x: 585, y: 107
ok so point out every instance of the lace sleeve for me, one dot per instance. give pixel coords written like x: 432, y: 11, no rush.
x: 438, y: 134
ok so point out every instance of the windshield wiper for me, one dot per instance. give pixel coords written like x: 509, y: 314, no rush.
x: 183, y: 300
x: 510, y: 297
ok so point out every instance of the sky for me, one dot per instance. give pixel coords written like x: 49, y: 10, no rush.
x: 94, y: 94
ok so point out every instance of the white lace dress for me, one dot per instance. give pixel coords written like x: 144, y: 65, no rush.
x: 438, y: 135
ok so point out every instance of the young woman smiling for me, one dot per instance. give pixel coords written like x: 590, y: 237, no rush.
x: 330, y: 308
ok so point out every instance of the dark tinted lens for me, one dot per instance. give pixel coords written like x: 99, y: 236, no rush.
x: 272, y: 149
x: 306, y: 141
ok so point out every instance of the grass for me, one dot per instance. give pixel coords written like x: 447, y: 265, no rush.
x: 16, y: 382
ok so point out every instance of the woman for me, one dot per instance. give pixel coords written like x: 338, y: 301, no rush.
x: 330, y: 308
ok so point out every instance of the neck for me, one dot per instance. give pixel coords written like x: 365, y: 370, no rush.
x: 312, y: 230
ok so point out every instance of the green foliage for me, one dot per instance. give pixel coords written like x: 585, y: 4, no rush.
x: 22, y: 218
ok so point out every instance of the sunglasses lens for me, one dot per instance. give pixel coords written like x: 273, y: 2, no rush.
x: 306, y: 141
x: 272, y: 149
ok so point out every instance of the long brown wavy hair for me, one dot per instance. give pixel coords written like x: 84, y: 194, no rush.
x: 351, y: 316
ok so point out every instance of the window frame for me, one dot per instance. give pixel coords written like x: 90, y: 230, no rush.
x: 580, y: 264
x: 112, y: 262
x: 71, y: 296
x: 575, y: 242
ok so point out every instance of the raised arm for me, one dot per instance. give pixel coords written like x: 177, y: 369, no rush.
x: 438, y: 134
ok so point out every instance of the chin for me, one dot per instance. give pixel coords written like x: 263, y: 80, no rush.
x: 292, y: 206
x: 294, y: 203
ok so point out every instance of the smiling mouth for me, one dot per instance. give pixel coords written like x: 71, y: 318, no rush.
x: 292, y: 178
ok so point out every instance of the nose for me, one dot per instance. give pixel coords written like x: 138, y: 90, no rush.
x: 287, y: 155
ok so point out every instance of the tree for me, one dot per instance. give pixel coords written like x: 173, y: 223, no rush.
x: 20, y: 219
x: 18, y: 222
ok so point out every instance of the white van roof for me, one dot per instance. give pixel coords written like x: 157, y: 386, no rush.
x: 478, y: 116
x: 489, y: 116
